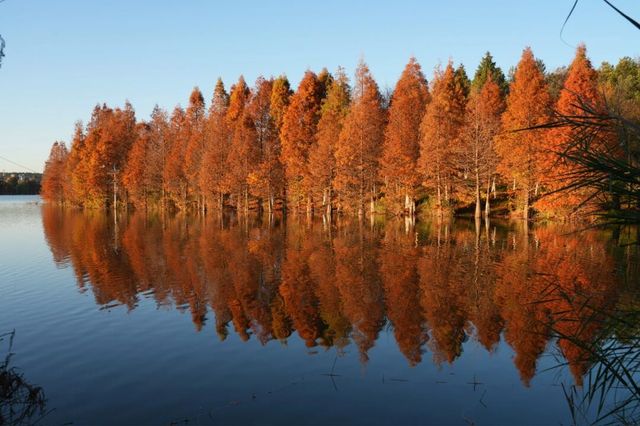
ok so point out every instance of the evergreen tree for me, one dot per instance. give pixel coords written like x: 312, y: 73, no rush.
x: 486, y: 68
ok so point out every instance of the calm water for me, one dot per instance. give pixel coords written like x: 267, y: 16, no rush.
x: 179, y: 320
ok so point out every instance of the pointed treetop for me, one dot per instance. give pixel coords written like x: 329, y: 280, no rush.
x: 449, y: 87
x: 528, y: 102
x: 177, y: 116
x: 338, y: 93
x: 324, y: 78
x: 412, y: 83
x: 463, y: 84
x: 580, y: 86
x: 195, y: 110
x: 488, y: 67
x: 220, y: 100
x: 280, y: 94
x: 364, y: 80
x: 413, y: 70
x: 238, y: 98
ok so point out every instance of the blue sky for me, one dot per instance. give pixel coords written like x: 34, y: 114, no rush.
x: 64, y: 56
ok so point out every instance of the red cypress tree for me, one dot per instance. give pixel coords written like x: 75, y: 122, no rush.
x: 264, y: 172
x: 194, y: 146
x: 298, y: 134
x: 482, y: 124
x: 402, y: 139
x: 216, y: 149
x: 360, y: 144
x: 76, y: 168
x: 440, y: 134
x: 133, y: 176
x: 523, y: 154
x: 142, y: 177
x: 173, y: 174
x: 241, y: 136
x: 111, y: 134
x: 280, y: 96
x: 322, y: 163
x: 580, y: 90
x: 53, y: 177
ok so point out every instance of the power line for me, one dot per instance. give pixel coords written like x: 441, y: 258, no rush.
x: 17, y: 164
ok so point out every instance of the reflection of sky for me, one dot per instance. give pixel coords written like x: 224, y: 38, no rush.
x: 149, y: 365
x: 21, y: 234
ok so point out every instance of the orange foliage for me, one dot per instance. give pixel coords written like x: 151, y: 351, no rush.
x: 523, y: 155
x: 324, y: 148
x: 322, y: 162
x: 402, y: 138
x: 482, y: 124
x: 52, y: 186
x: 580, y: 90
x: 214, y: 159
x: 441, y: 134
x: 359, y: 145
x: 298, y: 134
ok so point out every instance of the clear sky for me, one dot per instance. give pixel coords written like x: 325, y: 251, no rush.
x: 64, y: 56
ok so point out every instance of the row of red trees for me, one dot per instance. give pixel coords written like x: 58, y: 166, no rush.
x: 330, y: 146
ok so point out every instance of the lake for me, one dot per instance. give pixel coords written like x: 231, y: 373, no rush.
x: 158, y: 319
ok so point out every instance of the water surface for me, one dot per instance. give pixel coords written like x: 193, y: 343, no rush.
x: 159, y: 320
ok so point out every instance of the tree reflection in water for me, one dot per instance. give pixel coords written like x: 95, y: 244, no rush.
x: 436, y: 285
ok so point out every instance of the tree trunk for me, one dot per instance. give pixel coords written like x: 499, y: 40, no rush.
x: 493, y: 187
x: 372, y: 205
x: 246, y: 200
x: 478, y: 209
x: 487, y: 209
x: 525, y: 211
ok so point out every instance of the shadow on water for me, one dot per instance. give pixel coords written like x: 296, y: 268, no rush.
x: 539, y: 288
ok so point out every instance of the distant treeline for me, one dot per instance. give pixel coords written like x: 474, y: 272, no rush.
x: 331, y: 147
x: 20, y: 183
